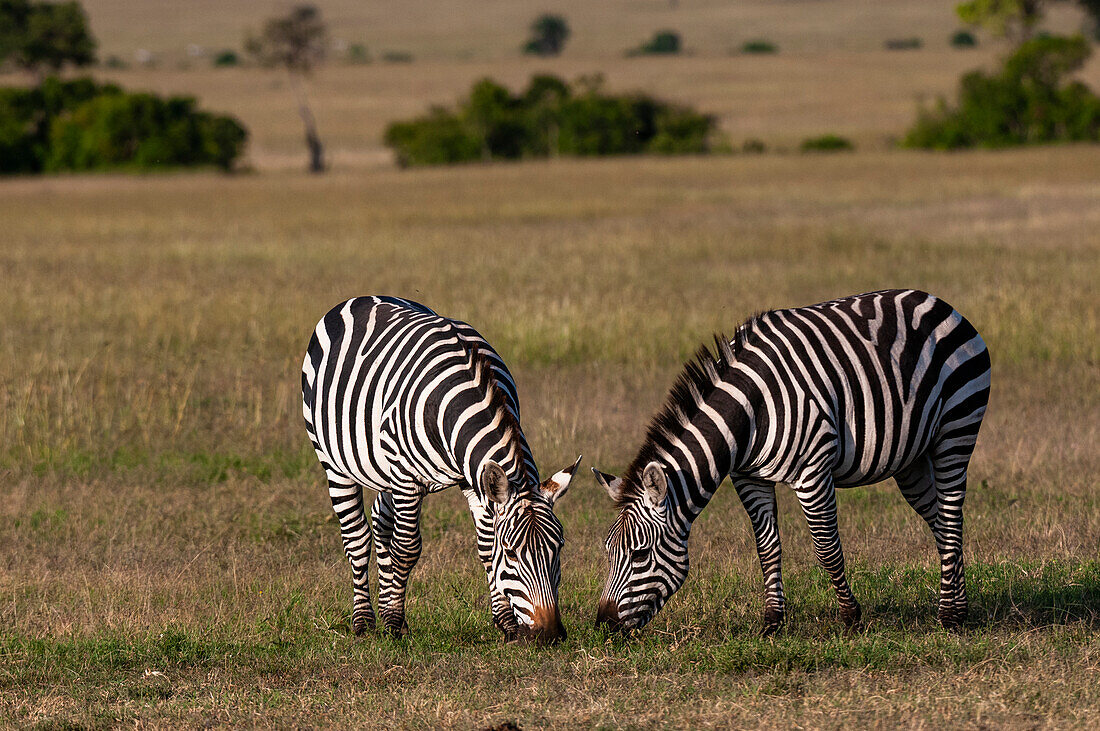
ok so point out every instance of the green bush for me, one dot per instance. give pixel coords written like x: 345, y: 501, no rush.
x: 227, y: 58
x: 963, y: 39
x: 549, y: 118
x: 548, y: 36
x: 759, y: 46
x: 357, y: 54
x: 663, y: 43
x: 827, y: 143
x: 903, y: 44
x: 82, y: 125
x: 1027, y: 102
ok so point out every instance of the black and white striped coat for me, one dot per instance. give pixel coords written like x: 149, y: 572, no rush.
x: 838, y: 394
x: 405, y: 402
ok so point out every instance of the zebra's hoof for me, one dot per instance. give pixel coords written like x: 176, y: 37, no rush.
x: 361, y: 625
x: 953, y: 618
x: 396, y: 628
x: 851, y: 616
x: 773, y: 622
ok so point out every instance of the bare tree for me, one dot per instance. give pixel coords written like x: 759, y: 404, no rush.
x: 296, y: 42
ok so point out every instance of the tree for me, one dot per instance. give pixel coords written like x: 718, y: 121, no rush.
x: 1011, y: 19
x: 1017, y: 20
x: 296, y: 42
x: 43, y: 36
x: 1092, y: 8
x: 548, y: 36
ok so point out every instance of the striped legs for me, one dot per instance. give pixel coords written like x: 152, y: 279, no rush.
x: 758, y: 497
x: 397, y: 543
x: 503, y: 617
x: 818, y: 498
x: 347, y: 501
x: 935, y: 486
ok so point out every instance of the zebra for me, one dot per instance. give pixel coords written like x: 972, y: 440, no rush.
x: 838, y: 394
x: 405, y: 402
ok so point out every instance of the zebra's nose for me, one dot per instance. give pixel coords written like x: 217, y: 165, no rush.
x: 546, y: 628
x: 607, y: 615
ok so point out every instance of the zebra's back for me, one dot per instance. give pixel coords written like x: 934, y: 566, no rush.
x: 889, y: 371
x: 384, y: 382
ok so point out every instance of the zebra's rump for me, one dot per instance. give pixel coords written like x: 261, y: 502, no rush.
x: 890, y: 372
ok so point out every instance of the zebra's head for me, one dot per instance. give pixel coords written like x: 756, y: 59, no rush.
x: 526, y: 564
x: 646, y: 550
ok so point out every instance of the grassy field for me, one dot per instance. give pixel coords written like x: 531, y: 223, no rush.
x: 167, y: 553
x: 495, y: 29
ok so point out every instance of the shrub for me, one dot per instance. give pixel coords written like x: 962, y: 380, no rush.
x: 548, y: 36
x: 963, y: 39
x: 441, y: 138
x: 664, y: 42
x: 548, y: 118
x: 142, y: 131
x: 227, y: 58
x: 1027, y: 102
x: 82, y: 125
x: 759, y: 46
x: 397, y: 57
x: 826, y: 143
x: 903, y: 44
x: 357, y: 54
x: 753, y: 146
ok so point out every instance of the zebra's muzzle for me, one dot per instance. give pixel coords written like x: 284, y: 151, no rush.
x: 607, y: 616
x: 546, y: 629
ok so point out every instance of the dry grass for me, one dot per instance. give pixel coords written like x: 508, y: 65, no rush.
x: 449, y: 29
x: 169, y: 556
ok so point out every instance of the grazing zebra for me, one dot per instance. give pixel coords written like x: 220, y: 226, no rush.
x: 838, y: 394
x: 405, y: 402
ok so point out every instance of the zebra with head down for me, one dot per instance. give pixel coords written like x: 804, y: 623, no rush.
x: 843, y: 393
x: 405, y: 402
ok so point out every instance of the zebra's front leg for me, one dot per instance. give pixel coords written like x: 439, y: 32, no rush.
x: 347, y: 502
x: 758, y: 497
x: 504, y: 619
x: 398, y: 544
x: 818, y: 499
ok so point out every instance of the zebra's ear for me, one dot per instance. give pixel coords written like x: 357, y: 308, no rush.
x: 611, y: 483
x: 654, y: 484
x: 494, y: 483
x: 557, y: 484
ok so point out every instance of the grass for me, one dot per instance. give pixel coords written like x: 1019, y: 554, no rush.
x: 461, y: 29
x: 169, y: 556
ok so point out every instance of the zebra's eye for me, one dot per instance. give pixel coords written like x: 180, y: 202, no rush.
x: 638, y: 555
x: 510, y: 553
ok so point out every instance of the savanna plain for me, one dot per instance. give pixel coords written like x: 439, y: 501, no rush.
x: 168, y: 555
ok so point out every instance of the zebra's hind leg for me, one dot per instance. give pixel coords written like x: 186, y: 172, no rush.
x: 347, y: 502
x: 950, y: 461
x: 758, y: 497
x: 398, y: 544
x: 923, y: 485
x: 818, y: 498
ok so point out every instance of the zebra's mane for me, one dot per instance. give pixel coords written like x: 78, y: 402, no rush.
x: 695, y: 383
x: 485, y: 377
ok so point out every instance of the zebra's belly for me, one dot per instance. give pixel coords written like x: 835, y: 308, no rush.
x: 374, y: 460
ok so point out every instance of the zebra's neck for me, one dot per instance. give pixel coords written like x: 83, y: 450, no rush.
x: 705, y: 429
x: 710, y: 442
x: 502, y: 443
